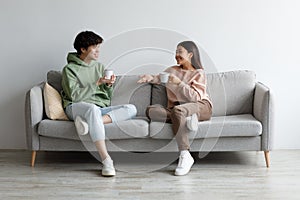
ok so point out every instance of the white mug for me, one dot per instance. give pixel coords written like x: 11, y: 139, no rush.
x: 164, y: 77
x: 108, y: 73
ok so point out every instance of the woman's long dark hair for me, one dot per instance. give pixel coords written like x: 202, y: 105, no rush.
x: 190, y: 46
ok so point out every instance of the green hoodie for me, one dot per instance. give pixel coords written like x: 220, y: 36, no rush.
x: 79, y: 82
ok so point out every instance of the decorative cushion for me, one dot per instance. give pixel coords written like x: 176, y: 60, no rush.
x: 53, y: 104
x: 54, y: 79
x: 159, y: 95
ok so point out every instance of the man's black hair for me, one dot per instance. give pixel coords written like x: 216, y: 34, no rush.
x: 85, y: 39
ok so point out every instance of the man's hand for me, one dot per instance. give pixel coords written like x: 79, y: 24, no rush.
x: 108, y: 82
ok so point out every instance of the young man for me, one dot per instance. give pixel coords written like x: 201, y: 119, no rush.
x: 87, y: 95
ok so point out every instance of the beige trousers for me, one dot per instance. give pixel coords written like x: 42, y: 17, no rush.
x: 177, y: 116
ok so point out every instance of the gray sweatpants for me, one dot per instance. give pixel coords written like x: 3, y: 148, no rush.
x: 92, y: 114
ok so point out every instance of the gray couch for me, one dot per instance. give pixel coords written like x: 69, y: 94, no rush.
x: 242, y: 119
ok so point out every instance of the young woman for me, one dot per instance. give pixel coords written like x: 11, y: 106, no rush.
x: 87, y: 95
x: 188, y: 101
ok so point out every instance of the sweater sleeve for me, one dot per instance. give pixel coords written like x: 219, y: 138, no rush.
x: 105, y: 87
x: 198, y: 85
x: 188, y: 92
x: 108, y: 89
x: 195, y: 89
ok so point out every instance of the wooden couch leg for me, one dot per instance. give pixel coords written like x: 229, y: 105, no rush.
x: 33, y: 155
x: 267, y: 158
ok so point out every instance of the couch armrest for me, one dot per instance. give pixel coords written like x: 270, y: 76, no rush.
x: 263, y: 111
x: 34, y: 111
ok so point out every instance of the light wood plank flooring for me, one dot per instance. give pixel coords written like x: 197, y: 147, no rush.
x: 71, y: 175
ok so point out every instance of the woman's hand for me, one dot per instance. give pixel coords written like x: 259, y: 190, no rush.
x: 146, y: 78
x: 174, y: 79
x: 109, y: 82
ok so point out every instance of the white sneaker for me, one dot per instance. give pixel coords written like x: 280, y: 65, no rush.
x: 192, y: 122
x: 108, y: 167
x: 81, y: 126
x: 185, y: 163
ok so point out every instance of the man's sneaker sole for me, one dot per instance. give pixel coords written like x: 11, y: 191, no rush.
x: 109, y: 174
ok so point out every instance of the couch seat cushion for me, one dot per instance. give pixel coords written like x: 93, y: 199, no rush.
x: 135, y: 128
x: 227, y: 126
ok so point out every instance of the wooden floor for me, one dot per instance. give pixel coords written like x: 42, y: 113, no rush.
x: 71, y: 175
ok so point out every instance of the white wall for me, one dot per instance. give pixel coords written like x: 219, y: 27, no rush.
x: 259, y: 35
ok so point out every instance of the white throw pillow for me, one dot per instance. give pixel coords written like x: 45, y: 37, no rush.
x: 53, y: 104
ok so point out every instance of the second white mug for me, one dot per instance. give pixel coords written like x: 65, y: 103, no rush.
x: 164, y: 77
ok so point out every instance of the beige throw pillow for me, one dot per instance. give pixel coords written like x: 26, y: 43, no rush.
x: 53, y: 103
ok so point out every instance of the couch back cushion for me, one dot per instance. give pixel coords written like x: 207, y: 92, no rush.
x: 126, y: 90
x: 231, y: 92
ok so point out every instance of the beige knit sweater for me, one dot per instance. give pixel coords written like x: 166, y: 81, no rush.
x: 191, y: 89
